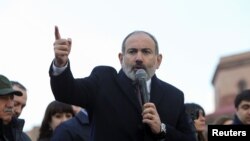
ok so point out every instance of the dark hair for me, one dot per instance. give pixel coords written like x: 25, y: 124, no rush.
x: 192, y: 109
x: 139, y: 31
x: 53, y: 108
x: 244, y: 95
x: 222, y: 119
x: 18, y: 84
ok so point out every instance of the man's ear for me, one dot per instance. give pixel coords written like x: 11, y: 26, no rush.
x: 159, y: 59
x: 120, y: 56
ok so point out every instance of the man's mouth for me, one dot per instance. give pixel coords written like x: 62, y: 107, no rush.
x: 8, y: 110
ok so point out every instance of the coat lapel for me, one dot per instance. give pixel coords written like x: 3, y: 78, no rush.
x: 156, y: 91
x: 128, y: 89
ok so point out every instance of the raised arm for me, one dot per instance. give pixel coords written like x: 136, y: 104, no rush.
x: 62, y: 49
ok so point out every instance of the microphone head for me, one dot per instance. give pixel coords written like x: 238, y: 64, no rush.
x: 141, y: 74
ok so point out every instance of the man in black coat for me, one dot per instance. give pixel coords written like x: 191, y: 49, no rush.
x: 20, y: 104
x: 115, y: 112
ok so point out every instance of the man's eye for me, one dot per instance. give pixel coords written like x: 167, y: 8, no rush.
x: 146, y: 52
x: 132, y: 51
x: 245, y: 107
x: 16, y: 104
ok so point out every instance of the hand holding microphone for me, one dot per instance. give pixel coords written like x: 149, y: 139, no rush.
x: 149, y: 113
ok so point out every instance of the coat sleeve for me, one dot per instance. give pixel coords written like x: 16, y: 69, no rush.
x: 61, y: 133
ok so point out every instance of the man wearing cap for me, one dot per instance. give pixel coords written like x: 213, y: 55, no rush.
x: 10, y: 126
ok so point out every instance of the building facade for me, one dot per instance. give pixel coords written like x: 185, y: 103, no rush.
x: 231, y: 76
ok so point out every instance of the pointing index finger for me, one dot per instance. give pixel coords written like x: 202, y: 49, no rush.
x: 57, y: 34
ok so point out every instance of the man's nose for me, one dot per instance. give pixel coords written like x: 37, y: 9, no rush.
x: 18, y: 111
x: 10, y: 102
x: 139, y: 56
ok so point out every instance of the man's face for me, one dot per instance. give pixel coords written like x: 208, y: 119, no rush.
x: 19, y: 101
x: 6, y: 108
x: 243, y: 112
x: 139, y: 54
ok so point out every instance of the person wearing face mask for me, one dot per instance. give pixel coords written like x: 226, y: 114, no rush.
x: 117, y: 109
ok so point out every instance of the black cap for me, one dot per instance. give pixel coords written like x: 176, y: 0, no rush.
x: 6, y: 87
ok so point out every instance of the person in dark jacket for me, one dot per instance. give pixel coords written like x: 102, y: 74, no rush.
x: 20, y: 103
x: 55, y: 114
x: 74, y: 129
x: 11, y: 128
x: 242, y: 106
x: 117, y: 110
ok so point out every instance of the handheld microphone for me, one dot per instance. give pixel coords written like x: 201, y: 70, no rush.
x: 141, y: 77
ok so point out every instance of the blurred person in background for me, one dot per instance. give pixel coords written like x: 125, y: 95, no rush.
x: 55, y: 113
x: 197, y: 117
x: 242, y: 106
x: 74, y: 129
x: 19, y: 101
x: 11, y: 128
x: 223, y: 120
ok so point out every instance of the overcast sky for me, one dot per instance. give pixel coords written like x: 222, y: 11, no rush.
x: 192, y: 34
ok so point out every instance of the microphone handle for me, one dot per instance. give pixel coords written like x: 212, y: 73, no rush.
x: 144, y: 91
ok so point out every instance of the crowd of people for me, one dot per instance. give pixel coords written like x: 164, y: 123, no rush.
x: 12, y: 101
x: 105, y: 105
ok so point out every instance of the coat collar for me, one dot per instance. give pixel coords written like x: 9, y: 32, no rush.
x: 128, y: 88
x: 236, y: 120
x: 156, y: 92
